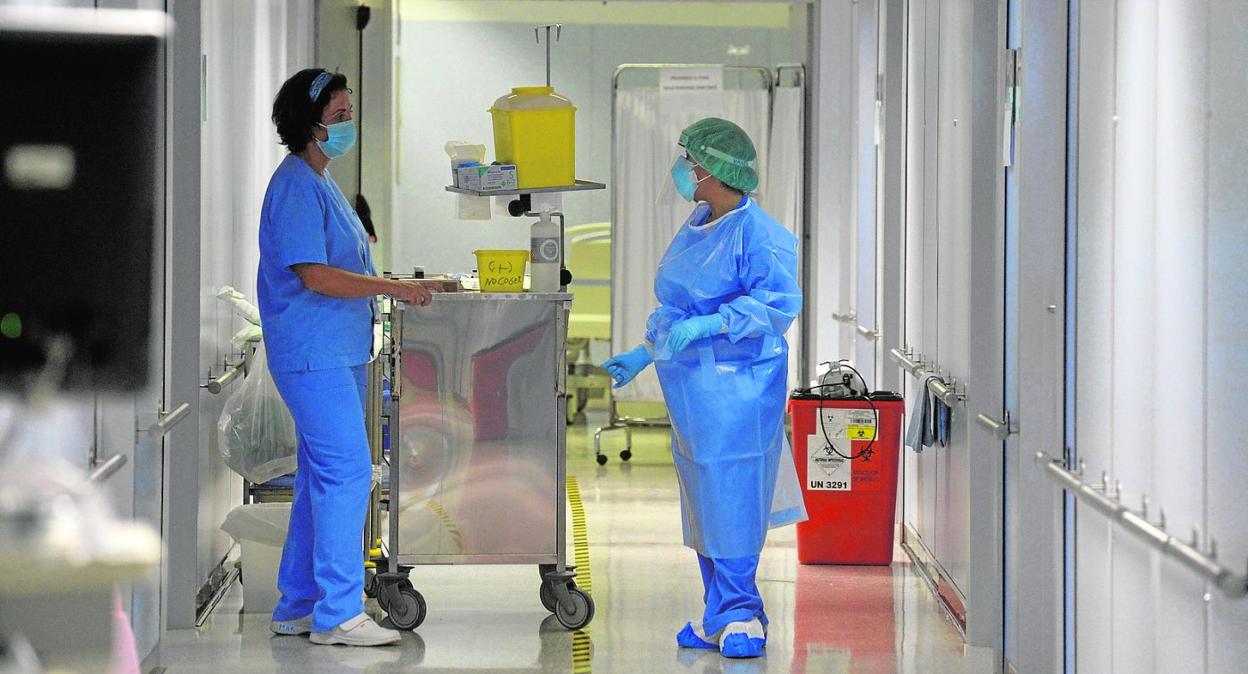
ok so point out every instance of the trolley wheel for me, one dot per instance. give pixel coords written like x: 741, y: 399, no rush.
x: 383, y: 596
x: 547, y: 595
x: 626, y: 455
x: 407, y: 608
x: 582, y: 609
x: 386, y: 591
x: 601, y: 459
x: 370, y: 585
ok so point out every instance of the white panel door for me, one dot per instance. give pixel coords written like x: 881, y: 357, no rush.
x: 1036, y: 227
x: 1093, y: 318
x: 953, y: 278
x: 1227, y: 295
x: 954, y: 299
x: 865, y: 152
x: 922, y: 181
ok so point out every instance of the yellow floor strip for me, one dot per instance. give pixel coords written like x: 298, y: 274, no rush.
x: 582, y: 653
x: 580, y: 539
x: 582, y: 645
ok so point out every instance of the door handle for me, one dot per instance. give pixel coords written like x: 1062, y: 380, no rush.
x: 107, y: 468
x: 851, y: 317
x: 868, y: 334
x: 1001, y: 429
x: 168, y: 420
x: 232, y: 371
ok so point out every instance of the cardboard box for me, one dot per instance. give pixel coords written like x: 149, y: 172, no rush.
x: 495, y: 178
x: 439, y: 285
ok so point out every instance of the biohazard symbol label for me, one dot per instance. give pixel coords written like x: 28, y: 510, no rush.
x: 825, y: 470
x: 827, y: 465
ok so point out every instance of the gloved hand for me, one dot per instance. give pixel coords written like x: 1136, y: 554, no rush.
x: 627, y: 365
x: 685, y: 332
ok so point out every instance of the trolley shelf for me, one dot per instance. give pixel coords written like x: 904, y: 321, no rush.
x: 580, y: 186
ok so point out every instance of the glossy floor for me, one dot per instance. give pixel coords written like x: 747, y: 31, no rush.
x: 646, y: 586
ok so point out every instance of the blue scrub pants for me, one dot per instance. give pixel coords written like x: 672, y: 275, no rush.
x: 322, y: 570
x: 730, y: 592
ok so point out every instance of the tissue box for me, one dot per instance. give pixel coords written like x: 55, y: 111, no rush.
x: 495, y: 178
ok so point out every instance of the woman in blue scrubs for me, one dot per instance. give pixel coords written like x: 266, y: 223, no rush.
x: 727, y: 291
x: 316, y: 288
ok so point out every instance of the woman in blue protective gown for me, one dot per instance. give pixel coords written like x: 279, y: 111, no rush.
x: 316, y: 287
x: 727, y: 288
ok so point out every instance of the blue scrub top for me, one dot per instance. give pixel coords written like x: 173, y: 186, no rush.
x: 307, y: 219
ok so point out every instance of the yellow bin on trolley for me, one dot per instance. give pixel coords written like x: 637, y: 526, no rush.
x: 535, y: 129
x: 501, y: 271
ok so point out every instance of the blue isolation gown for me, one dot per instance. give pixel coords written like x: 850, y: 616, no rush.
x: 726, y: 394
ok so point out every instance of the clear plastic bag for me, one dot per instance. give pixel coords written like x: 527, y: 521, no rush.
x: 257, y: 431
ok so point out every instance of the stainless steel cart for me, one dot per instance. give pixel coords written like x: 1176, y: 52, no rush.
x: 478, y: 454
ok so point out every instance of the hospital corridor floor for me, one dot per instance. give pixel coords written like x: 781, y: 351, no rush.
x: 646, y: 586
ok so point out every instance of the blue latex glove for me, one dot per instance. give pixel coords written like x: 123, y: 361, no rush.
x: 684, y: 333
x: 627, y: 365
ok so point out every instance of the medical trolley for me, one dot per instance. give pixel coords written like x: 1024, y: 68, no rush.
x: 477, y: 457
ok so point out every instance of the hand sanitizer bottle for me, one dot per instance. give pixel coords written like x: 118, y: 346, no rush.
x: 545, y: 255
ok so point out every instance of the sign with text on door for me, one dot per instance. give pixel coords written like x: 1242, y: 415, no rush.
x: 844, y: 440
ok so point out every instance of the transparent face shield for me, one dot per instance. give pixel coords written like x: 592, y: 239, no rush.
x: 678, y: 177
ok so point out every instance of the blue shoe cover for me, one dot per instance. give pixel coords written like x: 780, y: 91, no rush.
x: 743, y: 640
x: 688, y: 638
x: 740, y: 645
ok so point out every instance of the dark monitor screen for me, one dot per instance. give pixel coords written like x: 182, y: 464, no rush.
x: 81, y: 193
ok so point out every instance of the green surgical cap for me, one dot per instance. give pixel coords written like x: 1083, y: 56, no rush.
x: 724, y: 150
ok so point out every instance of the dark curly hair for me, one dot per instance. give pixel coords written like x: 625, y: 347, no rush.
x: 294, y: 111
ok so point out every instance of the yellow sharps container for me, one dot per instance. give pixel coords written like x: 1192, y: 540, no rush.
x: 535, y: 129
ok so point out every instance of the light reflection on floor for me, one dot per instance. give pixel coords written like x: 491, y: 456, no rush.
x: 646, y: 586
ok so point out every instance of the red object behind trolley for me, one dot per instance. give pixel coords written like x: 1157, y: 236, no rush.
x: 852, y: 502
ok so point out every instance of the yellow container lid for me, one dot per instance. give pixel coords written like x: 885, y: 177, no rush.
x: 531, y: 98
x: 532, y: 91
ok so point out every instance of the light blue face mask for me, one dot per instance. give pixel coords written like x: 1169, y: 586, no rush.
x: 685, y: 179
x: 340, y: 141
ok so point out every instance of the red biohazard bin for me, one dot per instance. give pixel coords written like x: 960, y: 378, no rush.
x: 848, y: 469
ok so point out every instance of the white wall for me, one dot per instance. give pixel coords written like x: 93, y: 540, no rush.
x: 1226, y: 361
x: 454, y: 62
x: 831, y: 190
x: 1160, y: 360
x: 250, y: 48
x: 939, y: 292
x: 952, y: 295
x: 858, y: 255
x: 338, y: 48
